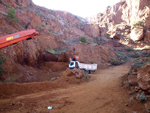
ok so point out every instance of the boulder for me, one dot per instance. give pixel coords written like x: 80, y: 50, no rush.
x: 147, y: 36
x: 116, y: 44
x: 136, y: 34
x: 132, y: 78
x: 115, y: 36
x: 144, y: 78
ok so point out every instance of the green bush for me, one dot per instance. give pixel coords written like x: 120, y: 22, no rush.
x: 10, y: 79
x: 17, y: 3
x: 56, y: 51
x: 52, y: 51
x: 31, y: 4
x: 142, y: 97
x: 133, y: 55
x: 42, y: 25
x: 115, y: 61
x: 138, y: 64
x: 108, y: 7
x: 1, y: 61
x: 83, y: 39
x: 145, y: 54
x: 75, y: 16
x: 138, y: 24
x: 50, y: 30
x: 12, y: 15
x: 129, y: 49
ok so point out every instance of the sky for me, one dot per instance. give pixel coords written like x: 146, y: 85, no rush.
x: 83, y: 8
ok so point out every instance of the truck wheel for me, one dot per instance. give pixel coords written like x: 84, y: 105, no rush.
x: 92, y: 71
x: 87, y: 71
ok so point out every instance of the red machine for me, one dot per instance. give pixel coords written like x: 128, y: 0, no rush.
x: 17, y: 37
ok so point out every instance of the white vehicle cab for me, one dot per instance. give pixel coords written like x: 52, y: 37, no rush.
x: 89, y: 68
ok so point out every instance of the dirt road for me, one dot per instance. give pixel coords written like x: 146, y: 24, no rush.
x: 103, y: 94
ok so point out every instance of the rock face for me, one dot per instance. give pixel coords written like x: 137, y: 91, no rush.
x: 141, y: 78
x: 147, y: 36
x: 127, y: 12
x: 136, y: 34
x: 91, y: 29
x: 92, y: 54
x: 144, y: 77
x: 115, y: 36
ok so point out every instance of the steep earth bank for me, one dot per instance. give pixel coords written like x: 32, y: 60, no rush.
x: 58, y: 31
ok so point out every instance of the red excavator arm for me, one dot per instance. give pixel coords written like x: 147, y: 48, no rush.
x: 16, y: 37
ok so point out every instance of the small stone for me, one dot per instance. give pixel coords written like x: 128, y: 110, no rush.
x: 126, y: 105
x: 50, y: 70
x: 134, y: 73
x: 132, y: 88
x: 22, y: 104
x: 78, y: 76
x: 78, y: 82
x: 18, y: 103
x: 131, y: 98
x: 131, y: 92
x: 146, y: 106
x: 140, y: 91
x: 52, y: 79
x: 137, y: 88
x: 12, y: 104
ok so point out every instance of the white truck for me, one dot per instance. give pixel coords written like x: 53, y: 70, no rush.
x: 88, y: 68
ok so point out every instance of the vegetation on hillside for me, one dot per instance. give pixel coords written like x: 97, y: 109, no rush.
x: 139, y: 63
x: 124, y: 55
x: 12, y: 15
x: 83, y: 39
x: 56, y: 51
x: 138, y: 24
x: 2, y: 59
x: 116, y: 61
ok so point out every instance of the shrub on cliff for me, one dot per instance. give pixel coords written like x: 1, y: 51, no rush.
x: 12, y: 15
x: 2, y: 59
x: 83, y: 39
x: 138, y: 24
x: 115, y: 61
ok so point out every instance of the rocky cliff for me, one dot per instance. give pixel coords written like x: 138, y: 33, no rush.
x: 123, y: 17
